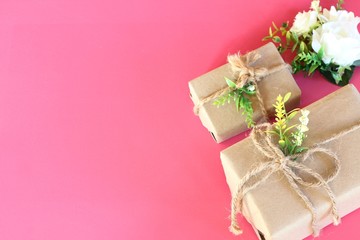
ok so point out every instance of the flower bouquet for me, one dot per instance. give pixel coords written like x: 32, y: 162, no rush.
x: 324, y: 40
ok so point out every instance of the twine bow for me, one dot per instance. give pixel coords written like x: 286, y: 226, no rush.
x: 242, y: 68
x: 291, y: 169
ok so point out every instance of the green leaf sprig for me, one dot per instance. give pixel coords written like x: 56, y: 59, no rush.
x: 240, y: 95
x: 290, y: 137
x: 308, y: 62
x: 276, y: 35
x: 305, y: 60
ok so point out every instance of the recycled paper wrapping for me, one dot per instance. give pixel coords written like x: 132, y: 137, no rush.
x: 273, y: 208
x: 225, y: 121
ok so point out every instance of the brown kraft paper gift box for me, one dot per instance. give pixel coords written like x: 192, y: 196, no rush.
x: 273, y: 208
x: 225, y: 121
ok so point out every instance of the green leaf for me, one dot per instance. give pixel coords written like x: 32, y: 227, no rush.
x: 222, y: 100
x: 287, y: 97
x: 292, y: 115
x: 237, y: 102
x: 320, y: 54
x: 288, y: 37
x: 303, y: 47
x: 356, y: 63
x: 281, y: 49
x: 230, y: 83
x: 313, y: 68
x: 233, y: 95
x: 295, y: 37
x: 289, y: 128
x: 242, y: 100
x: 277, y: 39
x: 272, y: 132
x: 294, y: 47
x: 336, y: 77
x: 300, y: 149
x: 306, y: 49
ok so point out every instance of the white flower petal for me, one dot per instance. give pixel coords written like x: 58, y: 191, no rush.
x: 305, y: 112
x: 303, y: 128
x: 251, y: 88
x: 339, y: 39
x: 304, y: 22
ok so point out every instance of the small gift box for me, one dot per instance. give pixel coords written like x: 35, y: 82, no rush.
x: 292, y: 199
x: 265, y: 67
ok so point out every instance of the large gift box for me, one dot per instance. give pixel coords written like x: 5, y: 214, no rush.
x: 225, y: 121
x: 274, y: 207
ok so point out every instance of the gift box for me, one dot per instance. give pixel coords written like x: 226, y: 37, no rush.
x: 273, y: 207
x: 225, y: 121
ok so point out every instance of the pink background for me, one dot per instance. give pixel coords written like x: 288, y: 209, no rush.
x: 97, y: 135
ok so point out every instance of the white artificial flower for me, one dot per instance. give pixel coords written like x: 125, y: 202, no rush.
x: 340, y: 41
x: 304, y: 22
x: 299, y: 135
x: 302, y: 128
x: 304, y: 118
x: 334, y: 15
x: 298, y: 139
x: 305, y: 112
x: 251, y: 88
x: 315, y: 5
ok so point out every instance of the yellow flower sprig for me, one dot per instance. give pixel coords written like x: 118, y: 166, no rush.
x: 290, y: 138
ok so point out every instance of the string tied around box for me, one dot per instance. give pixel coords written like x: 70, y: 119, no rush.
x: 245, y: 72
x: 291, y: 167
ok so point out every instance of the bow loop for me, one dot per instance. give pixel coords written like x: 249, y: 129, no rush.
x: 316, y: 179
x: 332, y: 160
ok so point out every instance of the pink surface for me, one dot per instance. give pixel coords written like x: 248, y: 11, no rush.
x: 97, y: 135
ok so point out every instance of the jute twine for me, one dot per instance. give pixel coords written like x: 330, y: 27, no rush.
x: 291, y: 169
x: 242, y: 69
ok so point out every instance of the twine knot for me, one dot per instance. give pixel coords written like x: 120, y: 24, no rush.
x: 251, y: 72
x: 282, y: 162
x: 243, y: 70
